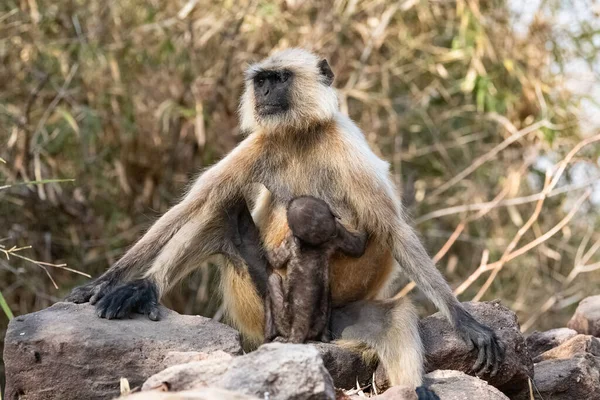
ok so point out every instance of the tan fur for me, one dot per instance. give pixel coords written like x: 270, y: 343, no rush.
x: 244, y: 306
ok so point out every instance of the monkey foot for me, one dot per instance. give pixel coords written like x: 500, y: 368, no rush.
x: 424, y: 393
x: 140, y: 296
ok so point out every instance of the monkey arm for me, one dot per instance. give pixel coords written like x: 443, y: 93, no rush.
x: 188, y: 233
x: 349, y: 243
x: 282, y: 253
x: 418, y: 266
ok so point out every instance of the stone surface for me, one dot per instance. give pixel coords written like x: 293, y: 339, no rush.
x: 398, y: 393
x: 66, y: 352
x: 274, y: 371
x: 579, y: 344
x: 540, y: 342
x: 586, y: 319
x: 445, y: 349
x: 571, y: 379
x: 456, y: 385
x: 182, y: 357
x: 198, y: 394
x: 344, y: 366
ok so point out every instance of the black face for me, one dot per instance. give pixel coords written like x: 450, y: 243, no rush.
x: 271, y: 91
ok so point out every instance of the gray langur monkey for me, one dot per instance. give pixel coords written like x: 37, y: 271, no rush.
x: 298, y: 143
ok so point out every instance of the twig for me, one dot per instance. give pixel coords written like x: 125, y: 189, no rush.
x: 489, y: 155
x: 13, y: 251
x: 44, y: 181
x: 504, y: 203
x: 525, y: 248
x: 513, y: 243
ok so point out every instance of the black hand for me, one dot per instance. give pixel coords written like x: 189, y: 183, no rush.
x: 490, y: 349
x: 139, y: 296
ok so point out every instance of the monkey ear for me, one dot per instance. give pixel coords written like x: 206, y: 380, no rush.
x: 326, y: 72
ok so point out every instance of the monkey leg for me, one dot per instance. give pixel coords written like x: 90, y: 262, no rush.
x: 303, y: 295
x: 320, y: 326
x: 281, y: 316
x: 390, y: 327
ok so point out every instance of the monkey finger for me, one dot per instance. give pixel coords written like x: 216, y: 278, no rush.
x: 489, y: 358
x: 491, y: 363
x: 80, y: 294
x: 98, y: 292
x: 154, y: 314
x: 481, y: 358
x: 151, y: 310
x: 501, y: 349
x: 498, y: 361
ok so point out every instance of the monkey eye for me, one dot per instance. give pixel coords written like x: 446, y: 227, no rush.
x: 260, y: 82
x: 284, y: 76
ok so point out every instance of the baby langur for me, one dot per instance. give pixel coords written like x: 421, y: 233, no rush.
x: 302, y: 310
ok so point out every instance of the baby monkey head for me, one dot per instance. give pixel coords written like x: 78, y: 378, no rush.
x: 311, y: 220
x: 291, y: 89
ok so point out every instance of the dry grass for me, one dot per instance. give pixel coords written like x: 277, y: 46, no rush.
x: 131, y: 98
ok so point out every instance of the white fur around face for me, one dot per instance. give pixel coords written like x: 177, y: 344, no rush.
x: 311, y: 99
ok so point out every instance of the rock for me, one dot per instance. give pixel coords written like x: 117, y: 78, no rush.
x: 456, y: 385
x: 577, y: 345
x: 398, y: 393
x: 445, y: 349
x: 344, y: 365
x: 198, y: 394
x: 275, y: 370
x: 571, y: 379
x: 586, y: 319
x: 182, y: 357
x: 540, y: 342
x: 67, y: 352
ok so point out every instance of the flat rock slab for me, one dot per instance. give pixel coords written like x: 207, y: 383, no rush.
x: 571, y: 379
x: 444, y: 349
x: 66, y: 352
x: 540, y: 342
x: 586, y: 319
x: 456, y: 385
x: 578, y: 344
x: 198, y: 394
x: 275, y: 371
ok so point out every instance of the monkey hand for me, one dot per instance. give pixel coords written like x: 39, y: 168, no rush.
x: 140, y: 296
x: 91, y: 292
x: 481, y: 337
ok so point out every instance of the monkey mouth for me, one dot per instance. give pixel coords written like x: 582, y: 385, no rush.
x: 270, y: 109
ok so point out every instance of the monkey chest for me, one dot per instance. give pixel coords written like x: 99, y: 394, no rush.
x: 351, y: 279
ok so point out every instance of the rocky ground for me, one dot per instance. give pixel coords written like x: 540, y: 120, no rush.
x: 65, y: 352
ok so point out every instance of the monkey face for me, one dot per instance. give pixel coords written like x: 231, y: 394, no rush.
x: 289, y: 91
x: 272, y: 92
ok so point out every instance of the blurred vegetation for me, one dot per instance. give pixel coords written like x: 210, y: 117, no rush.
x: 132, y: 98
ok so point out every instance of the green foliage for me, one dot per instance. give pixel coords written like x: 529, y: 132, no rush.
x: 5, y: 308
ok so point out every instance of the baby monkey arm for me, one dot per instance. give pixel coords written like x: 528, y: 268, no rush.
x: 349, y: 243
